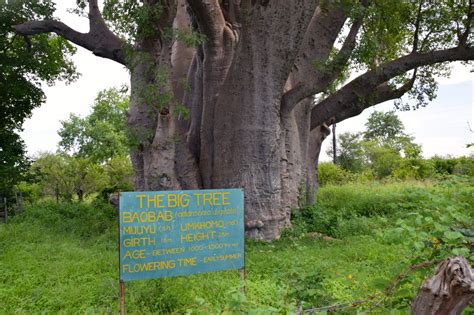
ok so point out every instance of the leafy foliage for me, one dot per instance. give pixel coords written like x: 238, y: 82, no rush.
x: 13, y: 162
x: 102, y: 134
x: 328, y: 173
x: 63, y: 177
x: 24, y: 65
x: 383, y: 127
x: 413, y: 26
x: 430, y: 222
x: 383, y: 148
x: 349, y: 152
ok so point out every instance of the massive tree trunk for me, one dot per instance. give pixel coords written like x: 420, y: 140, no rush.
x: 241, y: 143
x: 248, y: 90
x: 159, y: 152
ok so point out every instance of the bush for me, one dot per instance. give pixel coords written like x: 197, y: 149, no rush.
x: 443, y: 166
x: 383, y: 159
x: 360, y: 209
x: 81, y: 219
x: 450, y: 166
x: 464, y: 166
x: 412, y: 168
x: 31, y: 192
x: 329, y: 173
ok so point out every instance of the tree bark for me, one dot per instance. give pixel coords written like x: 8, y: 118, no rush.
x: 247, y: 130
x: 448, y: 292
x: 160, y: 154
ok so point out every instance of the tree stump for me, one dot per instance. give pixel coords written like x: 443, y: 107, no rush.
x: 448, y: 292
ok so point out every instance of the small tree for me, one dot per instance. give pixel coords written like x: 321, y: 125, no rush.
x: 380, y: 147
x: 63, y: 176
x: 99, y: 146
x: 49, y: 169
x: 384, y: 127
x: 86, y: 176
x: 101, y: 135
x: 349, y: 152
x: 119, y: 175
x: 382, y: 159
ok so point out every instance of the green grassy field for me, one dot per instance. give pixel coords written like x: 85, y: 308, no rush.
x: 63, y: 258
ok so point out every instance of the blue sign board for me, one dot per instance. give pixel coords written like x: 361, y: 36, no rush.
x: 174, y: 233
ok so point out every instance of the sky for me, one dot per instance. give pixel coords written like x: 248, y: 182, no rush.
x: 441, y: 127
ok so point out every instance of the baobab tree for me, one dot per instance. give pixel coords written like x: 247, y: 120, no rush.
x: 223, y: 91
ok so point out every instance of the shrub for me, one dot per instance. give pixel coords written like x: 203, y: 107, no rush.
x: 329, y: 173
x: 383, y: 158
x: 82, y: 219
x: 442, y: 165
x: 31, y: 192
x: 413, y: 168
x: 464, y: 166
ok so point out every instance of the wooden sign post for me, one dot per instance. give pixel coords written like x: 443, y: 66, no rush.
x: 178, y: 233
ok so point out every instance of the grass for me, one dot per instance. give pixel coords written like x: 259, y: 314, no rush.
x: 62, y: 259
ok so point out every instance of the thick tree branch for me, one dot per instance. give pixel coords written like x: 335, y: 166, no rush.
x: 99, y: 40
x: 95, y: 17
x: 209, y: 17
x: 318, y: 42
x: 355, y: 95
x: 96, y: 21
x: 312, y: 81
x: 384, y: 92
x: 231, y: 11
x: 319, y: 37
x: 322, y: 79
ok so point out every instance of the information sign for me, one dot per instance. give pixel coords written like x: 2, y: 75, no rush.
x: 174, y: 233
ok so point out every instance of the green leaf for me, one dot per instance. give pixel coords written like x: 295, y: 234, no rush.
x: 463, y: 251
x: 380, y: 283
x: 452, y: 235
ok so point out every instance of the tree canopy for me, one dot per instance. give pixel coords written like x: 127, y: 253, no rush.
x: 101, y: 135
x: 25, y: 65
x: 380, y: 147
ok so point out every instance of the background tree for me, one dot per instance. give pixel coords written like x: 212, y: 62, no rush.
x: 24, y: 65
x: 349, y: 152
x: 382, y: 148
x: 120, y: 175
x: 237, y: 109
x: 382, y: 159
x: 50, y: 171
x: 64, y: 177
x: 99, y: 145
x: 101, y: 135
x: 385, y: 143
x: 384, y: 127
x: 86, y: 177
